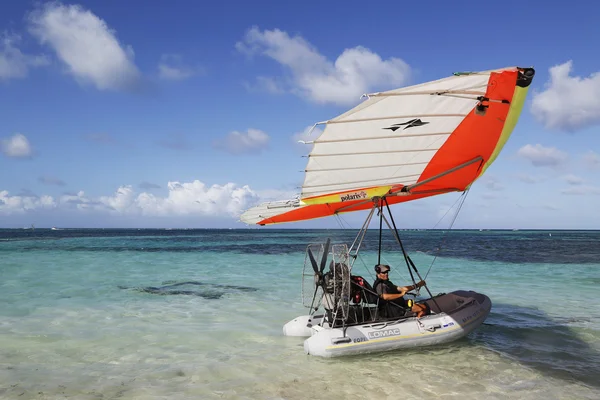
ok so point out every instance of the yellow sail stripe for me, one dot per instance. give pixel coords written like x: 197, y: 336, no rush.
x: 362, y: 194
x: 516, y: 106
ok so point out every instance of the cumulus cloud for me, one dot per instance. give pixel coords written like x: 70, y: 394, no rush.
x: 541, y: 156
x: 311, y: 75
x: 85, y: 44
x: 13, y: 63
x: 22, y: 204
x: 184, y: 199
x: 196, y: 198
x: 568, y: 102
x: 171, y: 67
x: 51, y: 180
x: 80, y: 201
x: 16, y: 146
x: 251, y: 141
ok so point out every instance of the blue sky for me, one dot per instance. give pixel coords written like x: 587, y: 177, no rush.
x: 148, y: 115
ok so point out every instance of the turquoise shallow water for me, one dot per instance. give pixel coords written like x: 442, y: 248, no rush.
x: 75, y: 324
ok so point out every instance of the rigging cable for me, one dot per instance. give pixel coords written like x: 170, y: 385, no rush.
x: 462, y: 199
x: 380, y: 223
x: 406, y: 258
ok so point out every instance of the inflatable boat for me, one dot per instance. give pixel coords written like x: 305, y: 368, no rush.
x: 453, y: 316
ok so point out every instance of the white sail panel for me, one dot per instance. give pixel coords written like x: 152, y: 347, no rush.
x: 371, y: 164
x: 389, y: 138
x: 377, y: 106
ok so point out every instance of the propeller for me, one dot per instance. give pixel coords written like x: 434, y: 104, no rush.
x: 319, y: 281
x: 319, y: 269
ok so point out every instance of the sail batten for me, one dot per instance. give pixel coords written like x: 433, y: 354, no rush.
x: 370, y: 152
x: 420, y: 136
x: 403, y: 136
x: 369, y: 166
x: 438, y: 93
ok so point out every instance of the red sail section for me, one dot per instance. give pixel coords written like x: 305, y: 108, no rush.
x: 476, y: 136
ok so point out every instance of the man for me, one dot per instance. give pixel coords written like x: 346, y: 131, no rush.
x: 393, y: 294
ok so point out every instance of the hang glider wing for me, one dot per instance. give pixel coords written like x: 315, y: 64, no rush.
x: 406, y: 144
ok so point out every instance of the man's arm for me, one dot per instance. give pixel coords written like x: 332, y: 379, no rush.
x: 405, y: 289
x: 389, y: 296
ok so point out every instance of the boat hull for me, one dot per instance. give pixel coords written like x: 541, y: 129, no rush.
x: 467, y: 310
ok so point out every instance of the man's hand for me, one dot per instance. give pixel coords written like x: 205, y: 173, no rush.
x: 421, y: 283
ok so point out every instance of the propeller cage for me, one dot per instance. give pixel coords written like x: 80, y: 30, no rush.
x: 326, y: 279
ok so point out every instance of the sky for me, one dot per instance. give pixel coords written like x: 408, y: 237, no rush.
x: 145, y: 114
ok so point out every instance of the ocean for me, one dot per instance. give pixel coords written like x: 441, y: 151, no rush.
x: 181, y: 314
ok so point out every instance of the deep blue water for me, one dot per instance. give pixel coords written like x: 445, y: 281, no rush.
x: 558, y: 247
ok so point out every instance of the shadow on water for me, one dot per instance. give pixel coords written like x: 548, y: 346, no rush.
x: 192, y: 288
x: 552, y: 346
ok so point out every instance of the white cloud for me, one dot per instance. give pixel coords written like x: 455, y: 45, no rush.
x: 16, y: 146
x: 183, y: 199
x: 86, y: 44
x: 591, y: 160
x: 171, y: 67
x: 13, y: 63
x: 311, y: 75
x: 79, y: 201
x: 22, y: 204
x: 541, y: 156
x: 122, y: 201
x: 193, y: 198
x: 568, y: 102
x: 252, y: 141
x: 573, y: 179
x: 581, y: 190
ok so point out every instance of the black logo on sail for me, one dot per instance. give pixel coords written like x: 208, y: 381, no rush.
x: 406, y: 125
